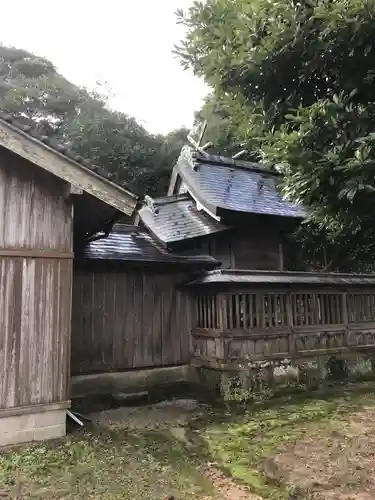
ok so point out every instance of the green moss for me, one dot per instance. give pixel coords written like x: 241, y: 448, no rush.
x: 242, y: 444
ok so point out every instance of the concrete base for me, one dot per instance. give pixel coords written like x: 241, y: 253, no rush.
x: 129, y: 382
x: 21, y: 425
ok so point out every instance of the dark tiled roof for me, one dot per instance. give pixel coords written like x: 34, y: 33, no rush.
x: 223, y: 183
x: 130, y: 243
x: 113, y: 194
x: 238, y: 276
x: 176, y: 218
x: 63, y: 149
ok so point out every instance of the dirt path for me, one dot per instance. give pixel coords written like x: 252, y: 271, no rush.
x: 321, y: 448
x: 173, y: 417
x: 227, y: 488
x: 336, y: 462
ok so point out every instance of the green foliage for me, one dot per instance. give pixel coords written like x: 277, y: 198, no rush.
x: 284, y: 53
x: 295, y: 83
x: 243, y: 388
x: 326, y: 152
x: 32, y: 90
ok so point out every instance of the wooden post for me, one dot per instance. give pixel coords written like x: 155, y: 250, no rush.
x: 289, y: 314
x: 281, y: 256
x: 221, y: 301
x: 345, y: 316
x: 222, y: 311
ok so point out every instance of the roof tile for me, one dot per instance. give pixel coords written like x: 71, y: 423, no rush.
x: 176, y: 218
x: 236, y: 186
x: 130, y: 243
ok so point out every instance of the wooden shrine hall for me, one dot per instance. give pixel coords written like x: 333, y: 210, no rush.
x: 97, y: 284
x: 251, y: 307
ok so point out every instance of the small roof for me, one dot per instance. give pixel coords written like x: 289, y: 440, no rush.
x: 224, y: 184
x: 176, y: 218
x: 130, y: 243
x: 59, y: 161
x: 238, y: 276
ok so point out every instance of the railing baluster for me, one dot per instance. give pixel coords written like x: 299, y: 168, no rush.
x: 237, y: 312
x: 230, y: 318
x: 251, y: 311
x: 276, y: 302
x: 205, y: 322
x: 244, y: 298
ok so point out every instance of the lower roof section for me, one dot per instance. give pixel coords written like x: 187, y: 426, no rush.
x: 132, y: 244
x: 243, y: 277
x: 176, y: 218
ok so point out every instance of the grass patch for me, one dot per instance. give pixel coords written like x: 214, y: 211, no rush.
x: 106, y: 465
x: 245, y: 445
x: 290, y: 445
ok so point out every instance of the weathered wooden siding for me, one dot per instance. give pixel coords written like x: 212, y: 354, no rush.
x: 34, y: 212
x: 260, y: 249
x: 35, y: 330
x: 35, y: 284
x: 124, y: 319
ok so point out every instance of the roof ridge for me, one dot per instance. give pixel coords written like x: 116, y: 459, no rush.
x: 120, y: 228
x: 195, y: 157
x: 164, y: 200
x: 270, y: 272
x: 250, y: 277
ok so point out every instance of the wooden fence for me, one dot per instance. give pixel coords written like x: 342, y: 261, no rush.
x: 259, y: 325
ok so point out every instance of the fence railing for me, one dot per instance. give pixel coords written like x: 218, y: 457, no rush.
x: 262, y: 324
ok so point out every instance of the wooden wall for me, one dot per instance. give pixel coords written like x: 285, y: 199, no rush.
x: 254, y: 249
x: 35, y: 284
x: 126, y: 318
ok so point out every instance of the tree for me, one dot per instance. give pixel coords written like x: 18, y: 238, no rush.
x: 303, y: 73
x: 32, y: 90
x: 284, y: 53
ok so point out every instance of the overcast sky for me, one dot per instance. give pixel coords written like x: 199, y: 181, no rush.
x: 127, y: 43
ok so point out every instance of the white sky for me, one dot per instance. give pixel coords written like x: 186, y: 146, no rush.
x: 127, y: 43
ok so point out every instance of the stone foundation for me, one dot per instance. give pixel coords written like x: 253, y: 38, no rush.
x: 39, y: 423
x: 129, y: 381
